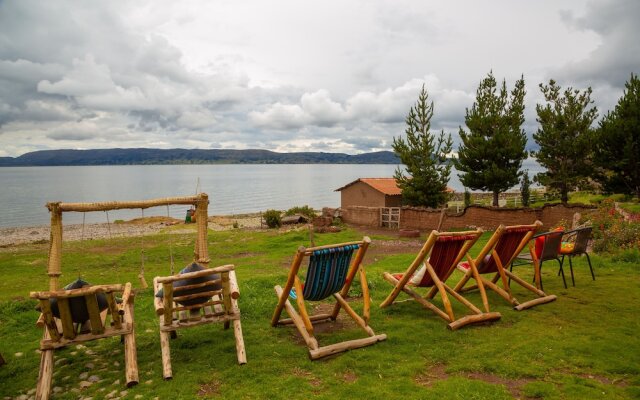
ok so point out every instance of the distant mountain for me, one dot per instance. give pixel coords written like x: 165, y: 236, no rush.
x: 189, y: 156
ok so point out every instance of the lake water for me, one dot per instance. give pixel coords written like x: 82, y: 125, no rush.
x: 232, y: 189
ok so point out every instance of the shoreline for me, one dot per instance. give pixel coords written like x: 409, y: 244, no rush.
x: 13, y: 236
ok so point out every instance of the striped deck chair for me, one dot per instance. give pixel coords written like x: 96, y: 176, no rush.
x: 501, y: 249
x: 445, y: 250
x: 330, y: 273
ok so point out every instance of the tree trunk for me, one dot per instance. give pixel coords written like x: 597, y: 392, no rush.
x: 495, y: 199
x: 564, y: 194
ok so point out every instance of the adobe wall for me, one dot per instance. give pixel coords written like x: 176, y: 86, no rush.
x: 365, y: 216
x: 484, y: 217
x: 361, y: 194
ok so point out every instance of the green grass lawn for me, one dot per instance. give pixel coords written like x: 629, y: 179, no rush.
x: 584, y: 345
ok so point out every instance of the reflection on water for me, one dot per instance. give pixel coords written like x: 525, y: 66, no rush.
x: 232, y: 189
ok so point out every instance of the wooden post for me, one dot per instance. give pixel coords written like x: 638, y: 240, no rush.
x: 130, y: 352
x: 55, y: 246
x: 166, y: 353
x: 201, y: 250
x: 45, y: 374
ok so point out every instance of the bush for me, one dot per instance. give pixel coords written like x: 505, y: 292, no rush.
x: 304, y: 210
x: 467, y: 198
x: 272, y: 218
x: 611, y: 233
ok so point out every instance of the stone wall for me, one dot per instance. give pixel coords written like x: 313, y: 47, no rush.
x: 479, y: 216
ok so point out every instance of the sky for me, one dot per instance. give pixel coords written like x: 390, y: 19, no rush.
x: 332, y: 76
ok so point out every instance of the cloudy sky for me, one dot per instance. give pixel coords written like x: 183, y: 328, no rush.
x: 327, y: 75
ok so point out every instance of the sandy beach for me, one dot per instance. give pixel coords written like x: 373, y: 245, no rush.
x: 136, y: 227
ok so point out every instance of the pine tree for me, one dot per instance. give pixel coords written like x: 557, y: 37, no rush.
x: 564, y: 137
x: 525, y: 188
x: 617, y: 149
x: 491, y: 153
x: 424, y: 157
x: 467, y: 198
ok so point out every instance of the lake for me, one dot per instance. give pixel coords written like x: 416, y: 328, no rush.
x: 232, y: 188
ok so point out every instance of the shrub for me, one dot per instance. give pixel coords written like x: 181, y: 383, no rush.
x: 467, y: 198
x: 304, y: 210
x: 272, y: 218
x: 611, y: 233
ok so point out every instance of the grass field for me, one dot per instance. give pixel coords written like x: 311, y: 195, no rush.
x: 583, y: 346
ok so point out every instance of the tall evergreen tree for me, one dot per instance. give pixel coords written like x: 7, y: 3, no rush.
x: 525, y: 188
x: 491, y: 153
x: 564, y: 137
x: 424, y: 157
x: 617, y: 149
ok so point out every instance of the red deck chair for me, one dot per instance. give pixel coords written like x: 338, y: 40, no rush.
x: 503, y: 247
x: 445, y: 250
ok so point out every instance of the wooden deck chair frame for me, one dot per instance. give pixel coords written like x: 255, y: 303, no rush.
x: 304, y: 322
x: 440, y: 286
x: 60, y: 332
x: 218, y: 306
x: 502, y: 272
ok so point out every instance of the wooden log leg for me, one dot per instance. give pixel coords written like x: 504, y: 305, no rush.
x: 311, y: 341
x: 166, y: 354
x: 353, y: 314
x: 237, y: 332
x: 45, y: 375
x: 130, y: 351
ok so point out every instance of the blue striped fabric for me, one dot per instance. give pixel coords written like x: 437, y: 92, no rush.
x: 327, y: 272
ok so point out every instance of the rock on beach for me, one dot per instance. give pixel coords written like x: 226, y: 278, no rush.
x: 137, y: 227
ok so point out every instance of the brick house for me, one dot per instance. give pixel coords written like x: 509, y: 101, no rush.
x: 371, y: 192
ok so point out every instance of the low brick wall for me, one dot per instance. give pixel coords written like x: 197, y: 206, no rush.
x: 479, y: 216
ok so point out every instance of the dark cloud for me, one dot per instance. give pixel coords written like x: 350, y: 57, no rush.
x: 618, y: 54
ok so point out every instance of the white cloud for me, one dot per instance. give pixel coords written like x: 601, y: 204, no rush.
x: 330, y: 75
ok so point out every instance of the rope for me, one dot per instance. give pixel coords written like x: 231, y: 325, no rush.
x: 115, y: 263
x: 170, y: 246
x: 108, y: 224
x: 142, y: 248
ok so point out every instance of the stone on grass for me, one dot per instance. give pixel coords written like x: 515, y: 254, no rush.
x: 94, y: 378
x: 85, y: 384
x: 83, y: 376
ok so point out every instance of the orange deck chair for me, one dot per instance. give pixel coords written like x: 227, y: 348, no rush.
x: 445, y: 250
x: 330, y: 273
x: 501, y: 249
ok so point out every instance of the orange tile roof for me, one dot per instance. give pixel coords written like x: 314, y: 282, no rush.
x: 386, y: 186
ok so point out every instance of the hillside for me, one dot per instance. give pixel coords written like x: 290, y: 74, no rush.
x: 188, y: 156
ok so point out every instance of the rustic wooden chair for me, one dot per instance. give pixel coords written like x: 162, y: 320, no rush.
x: 444, y: 251
x: 202, y: 296
x: 330, y: 273
x: 82, y: 304
x: 501, y: 249
x: 62, y: 331
x: 187, y: 306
